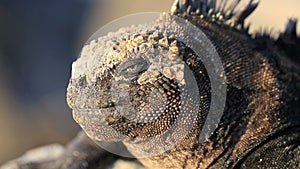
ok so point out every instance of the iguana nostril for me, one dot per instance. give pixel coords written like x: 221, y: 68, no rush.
x: 106, y: 104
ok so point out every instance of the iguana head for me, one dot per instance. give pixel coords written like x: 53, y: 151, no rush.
x: 139, y: 83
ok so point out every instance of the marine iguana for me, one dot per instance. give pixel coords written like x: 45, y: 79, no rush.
x: 260, y: 126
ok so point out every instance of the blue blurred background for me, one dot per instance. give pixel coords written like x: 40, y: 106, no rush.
x: 39, y: 39
x: 38, y: 42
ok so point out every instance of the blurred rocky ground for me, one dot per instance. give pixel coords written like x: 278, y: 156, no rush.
x: 38, y: 42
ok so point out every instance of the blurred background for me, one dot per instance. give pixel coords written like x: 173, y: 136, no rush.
x: 38, y: 42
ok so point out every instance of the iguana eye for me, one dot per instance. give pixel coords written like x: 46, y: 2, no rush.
x: 133, y: 67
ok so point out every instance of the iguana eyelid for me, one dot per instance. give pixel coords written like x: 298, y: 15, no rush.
x: 133, y: 67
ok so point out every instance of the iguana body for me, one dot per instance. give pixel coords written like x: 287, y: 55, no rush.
x: 260, y: 127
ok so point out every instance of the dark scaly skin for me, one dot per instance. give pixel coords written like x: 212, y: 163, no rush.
x: 260, y: 127
x: 271, y: 91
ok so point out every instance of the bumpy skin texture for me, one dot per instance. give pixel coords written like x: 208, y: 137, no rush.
x: 260, y: 127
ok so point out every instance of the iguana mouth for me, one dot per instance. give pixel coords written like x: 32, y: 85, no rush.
x: 95, y: 121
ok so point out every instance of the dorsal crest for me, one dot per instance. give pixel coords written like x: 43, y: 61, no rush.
x: 230, y: 12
